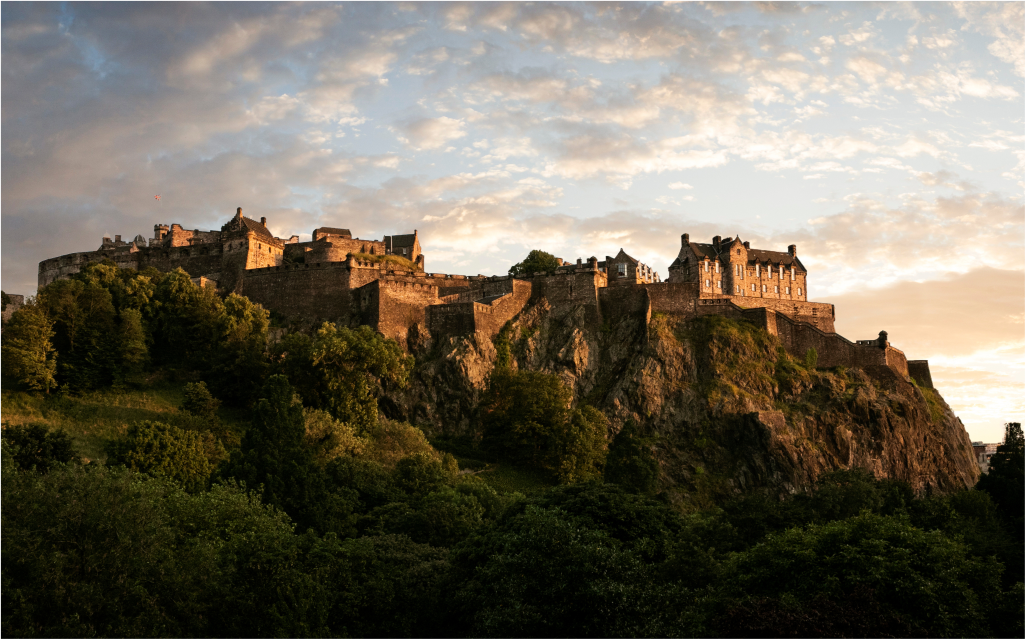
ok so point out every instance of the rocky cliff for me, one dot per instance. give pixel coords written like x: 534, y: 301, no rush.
x: 729, y: 408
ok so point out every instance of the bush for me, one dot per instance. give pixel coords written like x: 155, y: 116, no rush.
x: 162, y: 449
x: 35, y: 446
x: 198, y: 401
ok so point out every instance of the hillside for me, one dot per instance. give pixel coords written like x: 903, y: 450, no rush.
x: 729, y: 409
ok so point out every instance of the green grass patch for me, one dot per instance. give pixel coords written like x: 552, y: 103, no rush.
x: 506, y: 478
x: 935, y: 405
x: 396, y: 261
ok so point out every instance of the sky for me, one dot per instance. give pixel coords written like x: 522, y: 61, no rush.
x: 885, y: 140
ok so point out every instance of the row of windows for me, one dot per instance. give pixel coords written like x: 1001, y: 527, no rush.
x: 754, y: 287
x: 738, y: 270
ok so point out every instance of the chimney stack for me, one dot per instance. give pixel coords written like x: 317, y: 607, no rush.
x: 238, y: 213
x: 685, y: 239
x: 263, y: 221
x: 716, y: 241
x: 747, y: 245
x: 793, y: 249
x: 117, y: 238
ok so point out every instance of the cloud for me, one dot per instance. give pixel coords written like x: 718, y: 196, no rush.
x: 432, y: 133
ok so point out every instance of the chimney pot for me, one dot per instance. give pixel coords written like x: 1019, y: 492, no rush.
x: 685, y: 239
x: 747, y: 245
x: 263, y: 221
x: 793, y: 249
x: 717, y: 240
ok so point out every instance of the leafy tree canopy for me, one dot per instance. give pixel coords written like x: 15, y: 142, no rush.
x: 535, y: 262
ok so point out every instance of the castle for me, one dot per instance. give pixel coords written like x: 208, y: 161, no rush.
x: 353, y: 281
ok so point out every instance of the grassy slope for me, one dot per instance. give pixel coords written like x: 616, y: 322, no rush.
x: 95, y: 417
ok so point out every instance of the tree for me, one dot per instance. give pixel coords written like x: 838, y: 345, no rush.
x: 239, y: 357
x: 275, y: 459
x: 29, y: 357
x: 34, y: 446
x: 133, y: 352
x: 1005, y: 481
x: 85, y: 331
x: 910, y: 580
x: 340, y: 369
x: 526, y: 419
x: 535, y: 262
x: 185, y: 324
x: 157, y: 448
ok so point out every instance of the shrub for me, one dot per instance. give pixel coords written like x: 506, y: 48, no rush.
x: 162, y: 449
x: 811, y: 358
x: 35, y: 446
x: 198, y: 401
x: 29, y: 357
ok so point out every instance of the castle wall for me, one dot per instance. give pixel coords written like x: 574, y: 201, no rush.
x: 395, y: 303
x: 302, y: 291
x: 919, y: 371
x: 673, y: 299
x: 489, y: 318
x: 15, y: 303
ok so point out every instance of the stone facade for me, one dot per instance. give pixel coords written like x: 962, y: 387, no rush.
x: 14, y: 303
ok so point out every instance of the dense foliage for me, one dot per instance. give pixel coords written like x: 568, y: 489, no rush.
x: 535, y: 262
x: 323, y: 518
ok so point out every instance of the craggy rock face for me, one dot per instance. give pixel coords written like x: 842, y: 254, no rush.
x: 731, y: 410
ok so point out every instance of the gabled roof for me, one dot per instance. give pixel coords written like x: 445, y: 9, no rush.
x: 402, y: 241
x: 629, y: 259
x: 256, y: 227
x: 754, y: 256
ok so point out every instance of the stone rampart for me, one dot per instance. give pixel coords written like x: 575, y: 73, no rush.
x: 302, y: 291
x: 919, y: 371
x: 14, y: 303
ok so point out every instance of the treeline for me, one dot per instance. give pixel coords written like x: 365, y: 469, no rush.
x: 321, y: 518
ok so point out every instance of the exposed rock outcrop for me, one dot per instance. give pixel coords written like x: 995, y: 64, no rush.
x: 731, y: 410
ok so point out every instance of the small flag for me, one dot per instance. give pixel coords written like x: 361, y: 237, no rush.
x: 156, y: 197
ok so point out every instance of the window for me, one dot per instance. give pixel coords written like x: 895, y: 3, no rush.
x: 706, y: 266
x: 788, y: 290
x: 777, y: 289
x: 742, y: 294
x: 792, y: 276
x: 737, y: 289
x: 717, y: 267
x: 718, y: 284
x: 403, y: 251
x: 622, y: 270
x: 753, y: 287
x: 758, y: 270
x: 707, y: 283
x: 798, y: 291
x: 765, y: 288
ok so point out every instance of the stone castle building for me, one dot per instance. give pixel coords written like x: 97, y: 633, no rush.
x: 340, y: 278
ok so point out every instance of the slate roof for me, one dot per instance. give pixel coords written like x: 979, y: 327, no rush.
x: 256, y: 227
x: 754, y: 256
x: 402, y: 241
x: 327, y: 230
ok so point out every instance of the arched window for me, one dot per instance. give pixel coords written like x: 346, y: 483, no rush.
x: 798, y: 291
